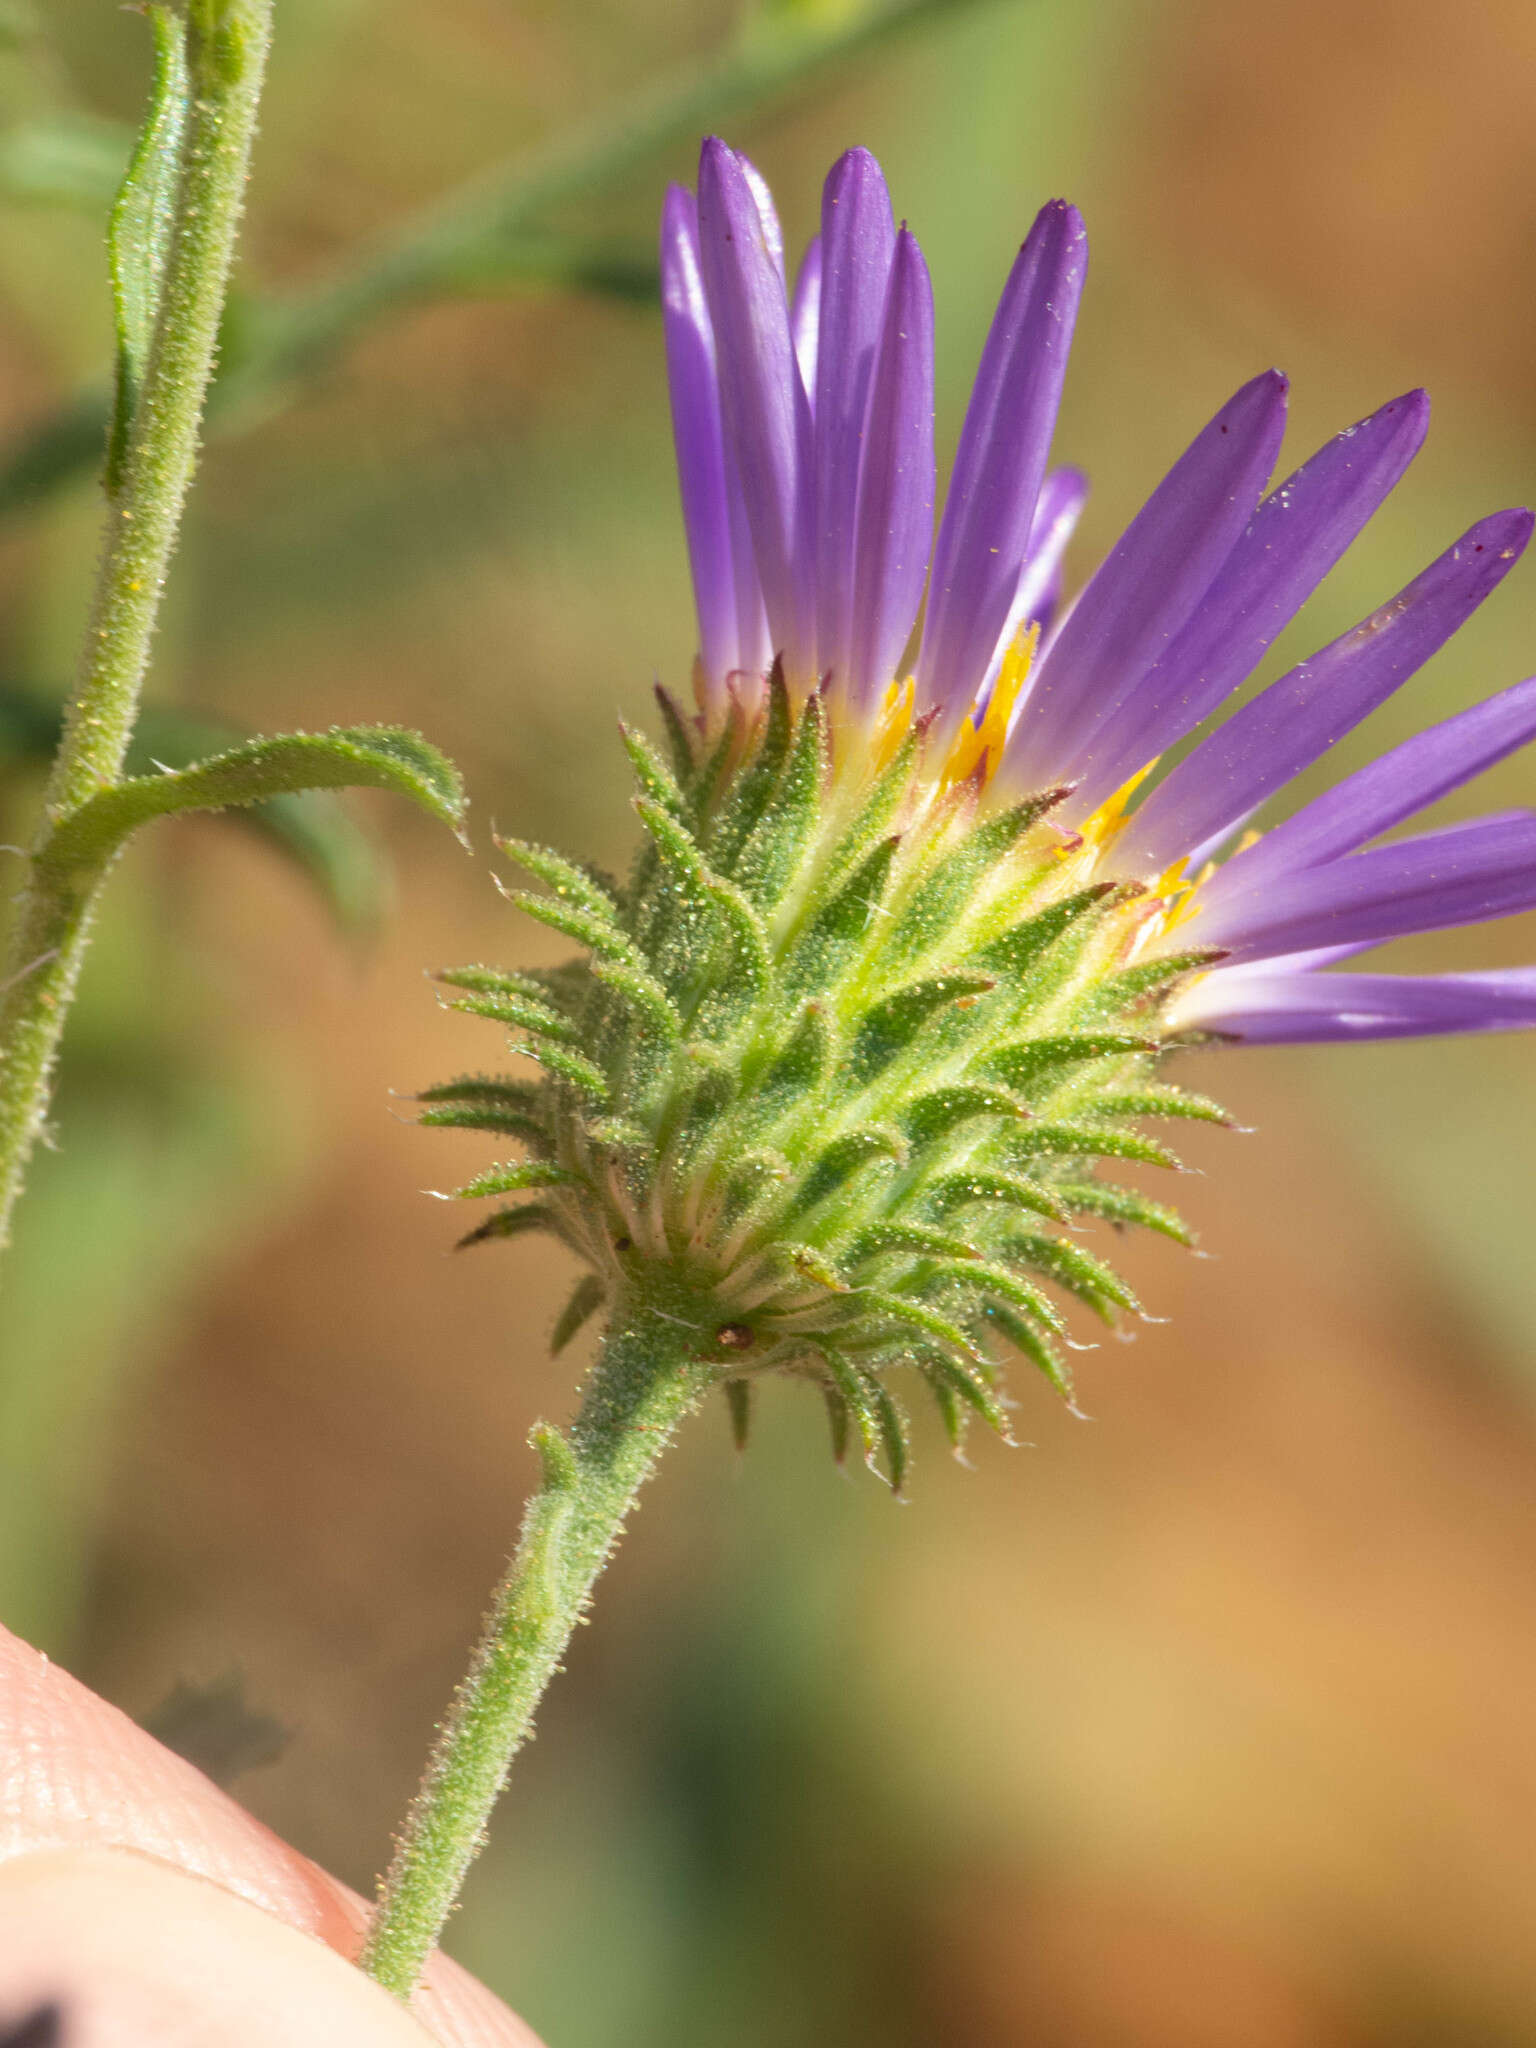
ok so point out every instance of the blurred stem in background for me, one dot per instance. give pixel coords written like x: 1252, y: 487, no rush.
x: 493, y: 231
x: 173, y: 243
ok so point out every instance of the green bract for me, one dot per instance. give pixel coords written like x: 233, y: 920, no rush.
x: 840, y: 1066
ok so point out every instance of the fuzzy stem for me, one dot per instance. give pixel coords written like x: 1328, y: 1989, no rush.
x: 226, y: 57
x: 646, y: 1379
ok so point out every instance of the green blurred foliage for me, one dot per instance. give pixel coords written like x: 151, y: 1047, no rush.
x: 1203, y: 1724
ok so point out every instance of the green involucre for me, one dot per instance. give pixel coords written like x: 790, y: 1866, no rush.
x: 839, y: 1072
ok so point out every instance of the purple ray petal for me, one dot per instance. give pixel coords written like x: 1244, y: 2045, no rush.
x: 999, y: 464
x: 768, y: 213
x: 1291, y: 543
x: 805, y: 315
x: 1464, y: 874
x: 894, y: 521
x: 1291, y: 1007
x: 858, y: 241
x: 1144, y: 593
x: 690, y: 349
x: 1293, y: 722
x: 1057, y: 511
x: 763, y: 405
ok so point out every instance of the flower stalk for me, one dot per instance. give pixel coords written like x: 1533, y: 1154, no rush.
x: 646, y: 1379
x: 209, y: 87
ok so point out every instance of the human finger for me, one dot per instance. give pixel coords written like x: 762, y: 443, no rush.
x: 77, y: 1774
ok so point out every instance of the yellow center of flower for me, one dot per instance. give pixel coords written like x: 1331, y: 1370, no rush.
x: 979, y: 746
x: 895, y: 715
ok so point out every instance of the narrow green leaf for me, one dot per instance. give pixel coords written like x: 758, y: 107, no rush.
x: 986, y: 1276
x: 569, y: 882
x: 515, y: 1176
x: 139, y: 229
x: 1084, y: 1141
x: 520, y: 1015
x: 582, y: 1073
x: 890, y: 1027
x: 852, y: 1388
x: 738, y: 1396
x: 947, y: 893
x: 1093, y: 1282
x: 370, y: 757
x: 586, y: 1299
x: 916, y: 1315
x: 881, y: 1240
x: 838, y: 931
x: 1021, y: 947
x: 933, y: 1116
x: 642, y: 994
x: 891, y: 1426
x: 679, y: 736
x: 67, y: 159
x: 511, y: 1223
x: 841, y: 1160
x: 525, y: 1097
x: 837, y: 1422
x: 772, y: 853
x: 1128, y: 985
x: 1031, y: 1061
x: 654, y: 776
x: 1123, y: 1205
x: 744, y: 806
x: 484, y: 1116
x: 1034, y: 1345
x: 957, y: 1190
x: 1158, y: 1100
x: 597, y: 934
x: 947, y: 1375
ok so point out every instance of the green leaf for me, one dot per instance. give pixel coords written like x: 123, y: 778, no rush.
x: 518, y: 1014
x: 915, y: 1315
x: 958, y: 1190
x: 586, y: 1299
x: 933, y: 1116
x: 69, y: 159
x: 515, y: 1176
x: 1036, y: 1347
x: 511, y: 1223
x: 1122, y: 1205
x: 487, y: 1116
x: 1159, y: 1099
x: 357, y: 757
x: 881, y: 1240
x: 1084, y: 1141
x: 838, y: 931
x: 738, y: 1395
x: 842, y: 1159
x: 890, y: 1026
x: 1097, y: 1285
x: 312, y: 829
x: 1032, y: 1060
x: 139, y: 232
x: 949, y: 1377
x: 985, y: 1276
x: 570, y: 883
x: 946, y: 895
x: 1018, y: 949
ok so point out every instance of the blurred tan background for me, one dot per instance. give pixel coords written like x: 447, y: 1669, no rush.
x: 1206, y: 1722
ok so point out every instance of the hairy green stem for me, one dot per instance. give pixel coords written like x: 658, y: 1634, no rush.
x: 646, y: 1379
x: 226, y: 56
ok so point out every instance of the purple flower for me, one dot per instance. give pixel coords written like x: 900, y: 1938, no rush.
x: 804, y: 430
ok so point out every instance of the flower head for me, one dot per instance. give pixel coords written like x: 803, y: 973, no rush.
x: 915, y: 914
x: 805, y: 452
